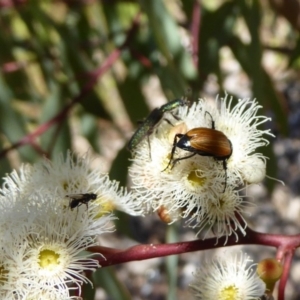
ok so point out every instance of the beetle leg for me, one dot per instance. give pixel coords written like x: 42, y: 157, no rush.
x: 175, y: 161
x: 177, y: 135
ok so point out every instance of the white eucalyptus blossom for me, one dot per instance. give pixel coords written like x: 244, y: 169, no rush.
x: 240, y: 124
x: 17, y: 181
x: 178, y: 181
x: 43, y: 242
x: 228, y: 277
x: 71, y: 175
x: 224, y: 215
x: 43, y: 246
x: 13, y: 285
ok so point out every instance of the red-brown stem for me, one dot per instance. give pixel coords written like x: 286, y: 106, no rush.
x: 286, y: 270
x: 286, y: 246
x: 142, y: 252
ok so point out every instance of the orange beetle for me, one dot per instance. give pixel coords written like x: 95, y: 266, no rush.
x: 203, y: 141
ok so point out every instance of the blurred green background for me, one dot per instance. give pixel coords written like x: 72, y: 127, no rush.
x: 80, y: 74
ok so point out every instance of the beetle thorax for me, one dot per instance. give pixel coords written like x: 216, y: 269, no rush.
x: 184, y: 143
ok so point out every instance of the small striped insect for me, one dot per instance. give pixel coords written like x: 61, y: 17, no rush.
x: 77, y: 200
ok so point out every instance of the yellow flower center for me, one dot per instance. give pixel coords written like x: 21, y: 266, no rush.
x: 194, y: 178
x: 106, y: 206
x: 49, y: 259
x: 230, y: 293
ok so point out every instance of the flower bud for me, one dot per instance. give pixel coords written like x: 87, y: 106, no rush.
x: 269, y: 270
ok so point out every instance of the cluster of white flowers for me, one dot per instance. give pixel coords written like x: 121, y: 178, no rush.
x: 41, y: 238
x: 228, y: 277
x: 204, y: 189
